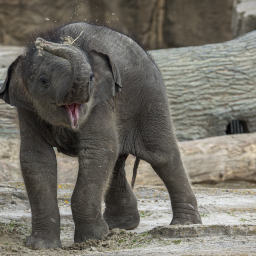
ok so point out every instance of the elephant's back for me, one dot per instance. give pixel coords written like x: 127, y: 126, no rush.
x: 141, y: 79
x: 132, y: 61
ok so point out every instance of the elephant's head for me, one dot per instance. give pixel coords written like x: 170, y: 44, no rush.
x: 60, y: 82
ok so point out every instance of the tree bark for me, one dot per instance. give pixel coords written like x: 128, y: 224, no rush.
x: 218, y: 159
x: 209, y: 86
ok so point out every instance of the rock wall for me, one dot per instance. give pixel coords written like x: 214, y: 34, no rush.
x: 197, y: 22
x: 155, y: 23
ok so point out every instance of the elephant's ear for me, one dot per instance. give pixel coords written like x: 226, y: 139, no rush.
x: 13, y: 91
x: 107, y: 76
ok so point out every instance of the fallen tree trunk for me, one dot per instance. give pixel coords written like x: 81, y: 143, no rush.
x: 209, y: 86
x: 211, y: 160
x: 222, y: 158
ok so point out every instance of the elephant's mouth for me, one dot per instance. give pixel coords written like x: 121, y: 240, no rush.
x: 74, y: 114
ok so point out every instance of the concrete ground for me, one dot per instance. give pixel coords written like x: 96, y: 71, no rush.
x: 228, y: 215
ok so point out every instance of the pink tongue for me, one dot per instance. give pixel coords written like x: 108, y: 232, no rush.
x: 74, y: 113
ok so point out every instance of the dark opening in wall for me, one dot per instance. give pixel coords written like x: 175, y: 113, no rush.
x: 237, y: 127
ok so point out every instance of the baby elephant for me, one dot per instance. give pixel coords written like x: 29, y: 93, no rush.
x: 92, y: 93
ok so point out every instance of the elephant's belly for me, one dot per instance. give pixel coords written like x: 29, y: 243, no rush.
x: 64, y: 140
x: 66, y: 145
x: 68, y: 151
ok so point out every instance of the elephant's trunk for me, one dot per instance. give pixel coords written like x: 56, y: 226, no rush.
x: 80, y: 67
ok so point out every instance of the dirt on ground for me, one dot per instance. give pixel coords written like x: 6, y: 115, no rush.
x: 228, y: 215
x: 13, y: 235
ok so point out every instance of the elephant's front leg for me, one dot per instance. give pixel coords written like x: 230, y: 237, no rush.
x: 39, y: 169
x: 96, y: 163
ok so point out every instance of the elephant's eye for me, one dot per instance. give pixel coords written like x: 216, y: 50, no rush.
x: 45, y: 80
x: 91, y: 76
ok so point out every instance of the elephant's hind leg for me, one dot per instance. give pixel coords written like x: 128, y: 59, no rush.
x: 183, y: 201
x: 158, y: 147
x: 121, y: 204
x: 170, y: 169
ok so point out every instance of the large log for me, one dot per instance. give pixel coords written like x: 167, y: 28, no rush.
x: 211, y: 160
x: 222, y: 158
x: 209, y: 86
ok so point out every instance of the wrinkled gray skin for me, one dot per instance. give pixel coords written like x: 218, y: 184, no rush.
x: 108, y: 125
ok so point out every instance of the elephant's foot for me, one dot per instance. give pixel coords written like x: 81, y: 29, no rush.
x: 123, y: 218
x: 185, y: 217
x: 90, y: 231
x: 39, y: 243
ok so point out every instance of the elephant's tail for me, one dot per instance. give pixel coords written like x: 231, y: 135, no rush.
x: 135, y: 168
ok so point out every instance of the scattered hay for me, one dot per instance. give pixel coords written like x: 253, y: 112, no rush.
x: 116, y: 239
